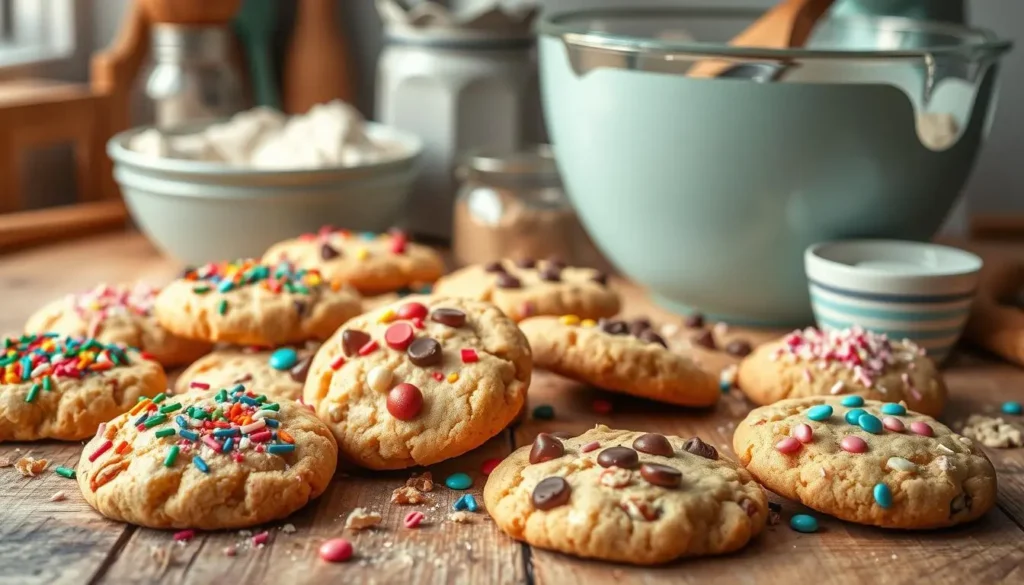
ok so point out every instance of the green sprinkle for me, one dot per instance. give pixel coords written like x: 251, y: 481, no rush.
x: 47, y: 384
x: 222, y: 395
x: 170, y: 407
x: 301, y: 289
x: 271, y: 406
x: 544, y: 412
x: 155, y: 420
x: 141, y: 398
x: 8, y: 360
x: 159, y: 398
x: 172, y: 454
x: 261, y: 398
x: 65, y: 472
x: 32, y: 393
x: 222, y: 306
x: 164, y: 433
x: 201, y: 289
x: 218, y: 413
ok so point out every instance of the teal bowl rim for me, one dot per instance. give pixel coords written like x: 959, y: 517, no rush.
x: 579, y: 34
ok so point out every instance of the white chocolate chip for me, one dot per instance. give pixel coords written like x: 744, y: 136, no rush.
x: 945, y: 448
x: 944, y: 463
x: 900, y: 464
x: 379, y: 379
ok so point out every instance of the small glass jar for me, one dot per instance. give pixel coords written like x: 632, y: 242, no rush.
x: 513, y: 206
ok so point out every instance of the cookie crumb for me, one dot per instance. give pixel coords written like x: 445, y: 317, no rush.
x: 461, y: 517
x: 58, y: 497
x: 288, y: 528
x: 361, y: 519
x: 230, y: 551
x: 30, y: 466
x: 408, y: 496
x: 423, y: 482
x: 993, y: 431
x: 774, y: 513
x: 5, y: 462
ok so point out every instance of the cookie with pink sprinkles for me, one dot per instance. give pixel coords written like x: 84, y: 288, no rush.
x: 843, y: 362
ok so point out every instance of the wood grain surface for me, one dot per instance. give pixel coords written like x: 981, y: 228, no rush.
x: 61, y: 542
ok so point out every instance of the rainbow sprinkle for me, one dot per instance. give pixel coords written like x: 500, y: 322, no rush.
x: 866, y: 354
x: 95, y: 305
x: 39, y: 358
x: 228, y: 276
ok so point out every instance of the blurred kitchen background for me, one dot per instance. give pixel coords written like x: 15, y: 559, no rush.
x: 77, y: 28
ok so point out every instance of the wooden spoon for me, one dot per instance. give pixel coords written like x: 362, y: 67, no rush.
x: 787, y: 25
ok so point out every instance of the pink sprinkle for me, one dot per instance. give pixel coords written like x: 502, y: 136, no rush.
x: 914, y: 393
x: 260, y: 437
x: 893, y: 424
x: 469, y: 356
x: 488, y: 466
x: 99, y: 429
x: 788, y: 446
x: 260, y: 538
x: 212, y: 443
x: 808, y: 376
x: 413, y: 519
x: 837, y: 388
x: 370, y: 347
x: 590, y: 447
x: 853, y: 444
x: 527, y: 309
x: 922, y: 429
x: 200, y: 385
x: 803, y: 433
x: 185, y: 535
x: 100, y: 450
x: 338, y: 362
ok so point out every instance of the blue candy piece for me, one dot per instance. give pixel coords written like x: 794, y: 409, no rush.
x: 803, y: 523
x: 724, y: 386
x: 853, y: 401
x: 870, y: 423
x: 883, y: 495
x: 1012, y: 407
x: 459, y: 504
x: 470, y: 503
x: 852, y: 416
x: 458, y: 481
x: 284, y: 359
x: 819, y: 412
x: 893, y: 408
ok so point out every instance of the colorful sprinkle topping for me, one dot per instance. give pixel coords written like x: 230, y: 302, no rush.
x: 277, y: 278
x: 38, y: 358
x: 95, y: 305
x: 866, y: 354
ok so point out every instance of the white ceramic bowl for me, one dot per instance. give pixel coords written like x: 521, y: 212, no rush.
x: 199, y: 212
x: 906, y: 290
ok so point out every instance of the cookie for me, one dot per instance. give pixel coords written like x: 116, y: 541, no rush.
x: 867, y: 462
x: 371, y: 263
x: 211, y: 462
x: 278, y: 373
x: 851, y: 361
x: 59, y: 387
x: 420, y: 381
x: 619, y: 356
x: 245, y: 303
x: 625, y: 496
x: 530, y: 288
x: 117, y: 314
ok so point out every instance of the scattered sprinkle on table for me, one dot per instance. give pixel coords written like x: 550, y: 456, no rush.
x: 336, y: 550
x: 803, y: 523
x: 184, y: 535
x: 65, y: 472
x: 544, y: 412
x: 413, y: 519
x: 1012, y: 407
x: 488, y: 466
x: 458, y: 481
x: 466, y: 502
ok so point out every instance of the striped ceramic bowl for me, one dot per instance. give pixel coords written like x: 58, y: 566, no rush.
x: 907, y: 290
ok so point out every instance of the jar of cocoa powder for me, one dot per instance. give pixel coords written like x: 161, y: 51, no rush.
x: 513, y: 206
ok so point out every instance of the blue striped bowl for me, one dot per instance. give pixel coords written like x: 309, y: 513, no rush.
x: 906, y: 290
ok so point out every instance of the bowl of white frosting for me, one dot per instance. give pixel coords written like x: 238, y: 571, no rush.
x: 232, y: 188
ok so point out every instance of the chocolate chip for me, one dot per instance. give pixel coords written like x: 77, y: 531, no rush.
x: 613, y: 327
x: 352, y: 340
x: 600, y: 278
x: 700, y: 448
x: 327, y: 252
x: 526, y: 263
x: 494, y: 267
x: 300, y: 371
x: 623, y: 457
x: 774, y: 513
x: 959, y: 504
x: 556, y: 262
x: 651, y: 337
x: 738, y: 348
x: 450, y: 317
x: 705, y: 339
x: 694, y: 321
x: 300, y: 307
x: 773, y: 507
x: 654, y: 444
x: 424, y: 352
x: 551, y: 274
x: 545, y: 448
x: 506, y: 280
x: 638, y: 326
x: 661, y: 475
x: 748, y: 506
x: 551, y: 492
x: 563, y: 434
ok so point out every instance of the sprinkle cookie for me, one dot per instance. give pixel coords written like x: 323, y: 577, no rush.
x: 420, y: 381
x: 120, y: 314
x: 246, y: 303
x: 867, y: 462
x: 278, y: 373
x: 624, y: 496
x: 528, y: 288
x: 837, y: 363
x: 59, y: 387
x: 230, y: 460
x: 619, y: 356
x: 371, y: 263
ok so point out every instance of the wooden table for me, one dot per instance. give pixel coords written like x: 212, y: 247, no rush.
x: 54, y: 542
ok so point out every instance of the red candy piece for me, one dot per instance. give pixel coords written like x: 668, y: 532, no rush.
x: 417, y: 322
x: 412, y: 311
x: 853, y: 444
x: 469, y: 356
x: 336, y: 550
x: 601, y: 406
x: 921, y: 428
x: 438, y: 376
x: 399, y: 336
x: 803, y: 433
x: 398, y: 243
x: 489, y: 465
x: 338, y: 362
x: 405, y: 401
